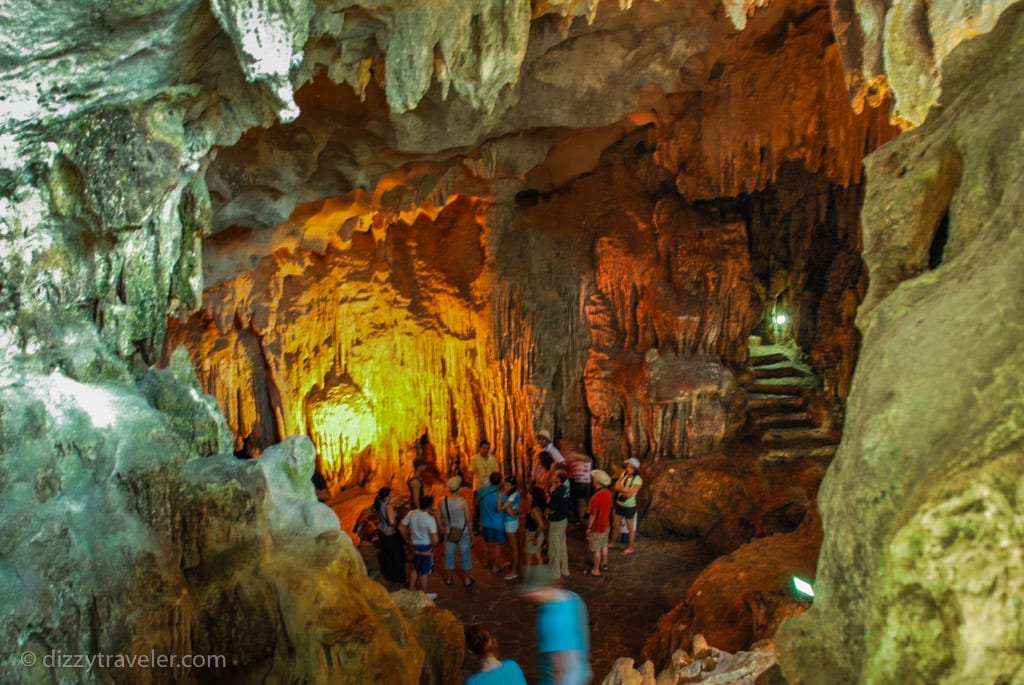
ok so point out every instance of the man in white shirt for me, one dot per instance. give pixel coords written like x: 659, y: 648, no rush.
x: 544, y: 438
x: 419, y: 528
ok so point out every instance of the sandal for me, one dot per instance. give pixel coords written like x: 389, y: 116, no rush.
x: 626, y: 552
x: 470, y: 583
x: 448, y: 582
x: 604, y: 567
x: 588, y: 572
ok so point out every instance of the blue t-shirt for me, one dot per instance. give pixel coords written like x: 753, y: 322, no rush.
x: 508, y: 673
x: 487, y: 501
x: 562, y: 627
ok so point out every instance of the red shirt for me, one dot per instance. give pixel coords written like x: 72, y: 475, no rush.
x: 600, y: 510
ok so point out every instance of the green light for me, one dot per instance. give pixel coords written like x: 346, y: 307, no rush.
x: 802, y: 587
x: 780, y: 319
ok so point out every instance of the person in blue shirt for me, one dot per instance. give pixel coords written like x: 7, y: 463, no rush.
x: 563, y: 631
x: 492, y: 521
x: 493, y: 671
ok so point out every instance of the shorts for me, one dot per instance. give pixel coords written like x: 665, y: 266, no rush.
x: 534, y: 541
x: 511, y: 526
x: 423, y: 559
x: 624, y: 511
x: 496, y: 535
x: 597, y: 541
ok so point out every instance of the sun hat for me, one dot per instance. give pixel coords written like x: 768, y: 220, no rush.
x: 634, y: 462
x: 546, y: 434
x: 454, y: 483
x: 601, y: 477
x: 538, y: 577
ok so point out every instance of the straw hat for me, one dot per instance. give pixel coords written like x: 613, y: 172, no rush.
x: 454, y: 483
x: 601, y: 477
x: 546, y: 434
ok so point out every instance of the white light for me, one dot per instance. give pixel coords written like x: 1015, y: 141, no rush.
x: 63, y: 395
x: 803, y: 587
x: 780, y: 319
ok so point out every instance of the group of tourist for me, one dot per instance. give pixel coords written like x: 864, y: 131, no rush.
x: 560, y: 489
x: 498, y: 507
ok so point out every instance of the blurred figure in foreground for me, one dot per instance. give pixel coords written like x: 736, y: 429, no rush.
x: 563, y: 632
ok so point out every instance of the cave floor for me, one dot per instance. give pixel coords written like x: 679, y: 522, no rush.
x: 624, y: 604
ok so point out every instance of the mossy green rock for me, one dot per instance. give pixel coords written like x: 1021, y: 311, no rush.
x: 920, y: 577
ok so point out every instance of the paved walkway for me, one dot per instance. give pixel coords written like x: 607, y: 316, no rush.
x: 624, y: 605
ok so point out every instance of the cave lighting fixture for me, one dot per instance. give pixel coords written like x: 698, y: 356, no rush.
x: 802, y: 588
x: 780, y: 319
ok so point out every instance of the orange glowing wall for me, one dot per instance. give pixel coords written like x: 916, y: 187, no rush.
x: 384, y: 336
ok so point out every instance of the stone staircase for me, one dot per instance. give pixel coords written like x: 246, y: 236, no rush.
x: 777, y: 407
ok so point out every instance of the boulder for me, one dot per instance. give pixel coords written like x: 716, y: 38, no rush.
x: 709, y: 665
x: 730, y: 602
x: 725, y: 501
x: 122, y: 534
x: 439, y: 633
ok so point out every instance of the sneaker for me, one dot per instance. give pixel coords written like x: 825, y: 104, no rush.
x: 512, y: 576
x: 431, y: 595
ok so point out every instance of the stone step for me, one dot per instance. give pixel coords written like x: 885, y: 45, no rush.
x: 767, y: 358
x: 798, y: 434
x: 782, y: 386
x: 787, y: 454
x: 779, y: 404
x: 793, y: 419
x: 783, y: 370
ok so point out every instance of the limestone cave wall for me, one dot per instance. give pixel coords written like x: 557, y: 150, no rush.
x: 920, y: 564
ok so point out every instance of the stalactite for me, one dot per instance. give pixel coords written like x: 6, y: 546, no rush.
x: 740, y: 137
x: 371, y: 344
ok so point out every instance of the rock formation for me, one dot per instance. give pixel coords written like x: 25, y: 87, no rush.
x: 127, y: 531
x: 921, y: 507
x: 740, y: 598
x: 725, y: 500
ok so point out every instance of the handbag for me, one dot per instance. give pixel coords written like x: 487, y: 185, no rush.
x: 454, y: 534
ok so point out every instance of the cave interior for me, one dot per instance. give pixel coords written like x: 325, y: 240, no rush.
x: 766, y: 249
